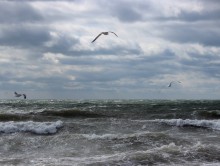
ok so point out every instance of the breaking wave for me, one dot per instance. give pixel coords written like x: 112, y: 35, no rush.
x: 30, y: 126
x: 210, y: 124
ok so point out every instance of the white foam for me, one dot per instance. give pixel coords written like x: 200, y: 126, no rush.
x: 30, y: 126
x: 211, y: 124
x: 114, y: 136
x: 166, y: 152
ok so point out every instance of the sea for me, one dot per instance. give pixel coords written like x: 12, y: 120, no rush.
x: 109, y: 132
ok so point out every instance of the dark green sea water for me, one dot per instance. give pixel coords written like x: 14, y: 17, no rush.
x: 110, y: 132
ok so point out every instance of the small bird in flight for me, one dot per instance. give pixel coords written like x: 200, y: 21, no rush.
x: 172, y: 83
x: 104, y: 33
x: 19, y: 95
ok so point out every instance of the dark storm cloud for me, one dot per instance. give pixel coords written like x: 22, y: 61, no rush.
x: 24, y: 36
x: 195, y: 16
x: 202, y: 63
x: 204, y: 34
x: 21, y: 25
x: 161, y: 63
x: 63, y: 44
x: 18, y: 12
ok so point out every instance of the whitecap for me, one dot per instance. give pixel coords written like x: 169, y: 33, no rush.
x: 30, y: 126
x: 211, y: 124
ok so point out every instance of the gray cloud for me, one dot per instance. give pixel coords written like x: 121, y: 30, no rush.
x: 196, y: 16
x: 207, y: 14
x: 125, y: 11
x: 63, y: 44
x: 18, y: 12
x: 202, y: 64
x: 24, y: 36
x: 64, y: 62
x: 183, y: 33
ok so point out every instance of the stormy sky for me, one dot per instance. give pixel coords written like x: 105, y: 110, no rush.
x: 46, y: 50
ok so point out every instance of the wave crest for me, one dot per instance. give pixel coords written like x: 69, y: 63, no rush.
x: 30, y: 126
x: 211, y: 124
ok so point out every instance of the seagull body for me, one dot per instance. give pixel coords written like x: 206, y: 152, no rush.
x: 172, y: 83
x: 104, y: 33
x: 19, y: 95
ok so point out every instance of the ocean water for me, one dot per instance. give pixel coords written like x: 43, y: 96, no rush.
x: 109, y: 132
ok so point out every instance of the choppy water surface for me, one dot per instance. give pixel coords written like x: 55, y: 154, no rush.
x: 109, y: 132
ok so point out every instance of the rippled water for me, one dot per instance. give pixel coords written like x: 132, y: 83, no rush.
x: 109, y: 132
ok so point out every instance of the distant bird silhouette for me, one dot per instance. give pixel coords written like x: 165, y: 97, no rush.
x: 19, y: 95
x: 172, y: 83
x: 104, y: 33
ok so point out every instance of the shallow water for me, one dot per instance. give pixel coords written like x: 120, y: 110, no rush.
x: 109, y: 132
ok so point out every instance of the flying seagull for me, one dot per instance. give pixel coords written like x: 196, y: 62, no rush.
x: 172, y: 83
x: 104, y: 33
x: 19, y: 95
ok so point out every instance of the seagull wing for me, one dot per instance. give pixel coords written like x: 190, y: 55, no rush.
x: 115, y: 34
x: 170, y: 83
x: 24, y: 96
x: 16, y: 94
x: 97, y: 37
